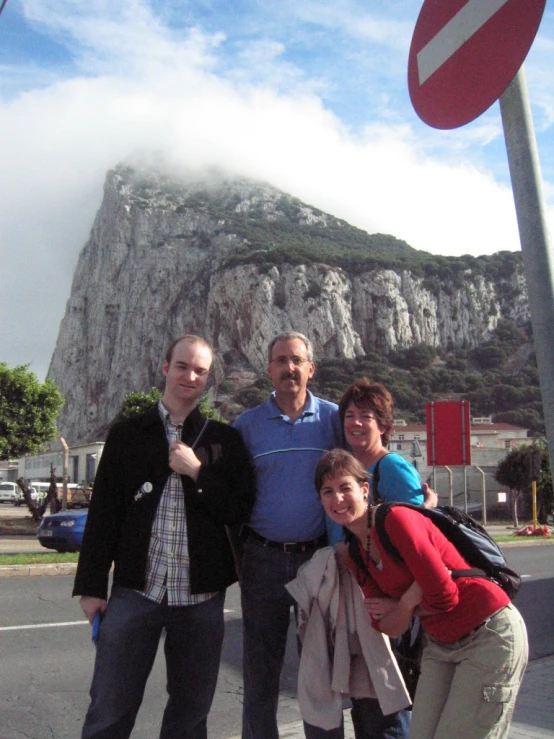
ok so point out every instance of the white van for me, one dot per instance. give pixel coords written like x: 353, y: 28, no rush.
x: 9, y: 492
x: 38, y: 490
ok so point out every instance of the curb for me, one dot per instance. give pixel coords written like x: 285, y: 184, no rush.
x: 70, y: 568
x: 63, y: 568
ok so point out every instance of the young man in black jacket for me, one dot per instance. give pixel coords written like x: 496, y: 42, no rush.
x: 168, y: 483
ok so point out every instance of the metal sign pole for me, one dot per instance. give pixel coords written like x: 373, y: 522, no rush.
x: 538, y: 257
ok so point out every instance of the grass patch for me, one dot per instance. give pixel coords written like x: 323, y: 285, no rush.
x: 48, y: 558
x: 506, y: 537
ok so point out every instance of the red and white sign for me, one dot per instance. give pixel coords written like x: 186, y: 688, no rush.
x: 465, y: 53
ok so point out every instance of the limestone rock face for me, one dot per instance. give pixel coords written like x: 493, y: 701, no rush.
x: 160, y: 263
x: 247, y: 307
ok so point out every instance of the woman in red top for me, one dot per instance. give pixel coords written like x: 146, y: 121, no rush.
x: 477, y: 649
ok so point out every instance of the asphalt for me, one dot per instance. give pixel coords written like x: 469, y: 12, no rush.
x: 533, y: 714
x: 534, y: 711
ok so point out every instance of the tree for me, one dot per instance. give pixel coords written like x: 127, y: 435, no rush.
x: 545, y: 492
x: 136, y: 403
x: 514, y: 471
x: 51, y: 499
x: 28, y: 411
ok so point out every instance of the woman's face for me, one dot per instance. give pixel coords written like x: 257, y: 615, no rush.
x: 361, y: 429
x: 344, y: 499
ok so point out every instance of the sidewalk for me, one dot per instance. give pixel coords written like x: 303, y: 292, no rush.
x: 533, y: 715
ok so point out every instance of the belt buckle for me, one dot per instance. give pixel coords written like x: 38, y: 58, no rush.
x: 290, y: 547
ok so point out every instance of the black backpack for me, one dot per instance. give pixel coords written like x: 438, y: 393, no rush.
x: 468, y: 536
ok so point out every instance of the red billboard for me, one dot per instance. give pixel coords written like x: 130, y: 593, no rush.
x: 448, y: 433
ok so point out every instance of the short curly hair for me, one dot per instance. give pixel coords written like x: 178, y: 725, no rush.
x: 374, y: 397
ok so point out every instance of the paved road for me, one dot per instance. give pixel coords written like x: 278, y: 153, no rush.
x: 46, y: 656
x: 21, y: 545
x: 46, y: 659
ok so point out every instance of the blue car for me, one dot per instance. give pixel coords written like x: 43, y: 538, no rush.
x: 63, y: 531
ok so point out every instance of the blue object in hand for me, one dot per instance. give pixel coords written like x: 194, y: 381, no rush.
x: 96, y: 626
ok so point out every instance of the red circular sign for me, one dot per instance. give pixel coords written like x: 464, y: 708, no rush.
x: 465, y: 53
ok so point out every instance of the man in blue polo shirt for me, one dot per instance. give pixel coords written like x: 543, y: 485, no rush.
x: 286, y: 436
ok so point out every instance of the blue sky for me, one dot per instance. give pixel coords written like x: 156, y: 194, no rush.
x: 308, y: 95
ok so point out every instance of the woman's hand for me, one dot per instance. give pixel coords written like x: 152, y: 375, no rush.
x: 431, y: 499
x: 379, y: 607
x: 395, y: 616
x: 412, y: 597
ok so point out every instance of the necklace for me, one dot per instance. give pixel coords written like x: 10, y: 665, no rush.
x: 361, y: 558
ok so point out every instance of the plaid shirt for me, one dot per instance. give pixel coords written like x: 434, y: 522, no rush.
x: 167, y: 569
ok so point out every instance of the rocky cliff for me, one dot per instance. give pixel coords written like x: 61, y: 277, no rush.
x: 222, y: 258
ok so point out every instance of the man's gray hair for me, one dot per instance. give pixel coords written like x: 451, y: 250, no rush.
x: 287, y: 336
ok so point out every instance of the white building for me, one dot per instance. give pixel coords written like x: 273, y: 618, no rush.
x: 83, y: 463
x: 8, y: 471
x: 489, y: 441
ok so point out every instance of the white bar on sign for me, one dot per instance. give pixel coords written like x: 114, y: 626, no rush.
x: 467, y: 21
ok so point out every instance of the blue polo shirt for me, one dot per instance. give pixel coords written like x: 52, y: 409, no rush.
x: 285, y: 455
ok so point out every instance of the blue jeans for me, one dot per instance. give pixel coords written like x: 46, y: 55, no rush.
x: 266, y: 617
x: 370, y: 723
x: 128, y: 641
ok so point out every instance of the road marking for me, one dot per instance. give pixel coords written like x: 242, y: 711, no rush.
x: 61, y: 623
x: 43, y: 626
x: 467, y: 21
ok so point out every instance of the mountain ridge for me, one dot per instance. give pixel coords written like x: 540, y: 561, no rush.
x: 239, y: 261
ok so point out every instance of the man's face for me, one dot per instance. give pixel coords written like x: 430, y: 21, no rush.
x: 187, y: 373
x: 289, y: 368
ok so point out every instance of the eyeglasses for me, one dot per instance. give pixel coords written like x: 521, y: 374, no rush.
x: 285, y: 361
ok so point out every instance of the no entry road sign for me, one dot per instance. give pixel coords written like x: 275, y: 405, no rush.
x: 465, y: 53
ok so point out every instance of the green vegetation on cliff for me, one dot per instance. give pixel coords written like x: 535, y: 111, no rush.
x: 500, y: 379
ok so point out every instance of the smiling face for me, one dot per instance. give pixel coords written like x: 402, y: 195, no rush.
x: 289, y: 368
x: 362, y: 431
x: 186, y: 375
x: 344, y: 499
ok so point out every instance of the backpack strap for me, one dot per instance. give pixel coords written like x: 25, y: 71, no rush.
x: 379, y: 517
x: 375, y: 481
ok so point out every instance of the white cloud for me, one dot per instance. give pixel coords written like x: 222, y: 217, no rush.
x: 142, y: 86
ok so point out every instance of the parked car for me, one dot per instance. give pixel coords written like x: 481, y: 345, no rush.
x: 63, y: 531
x: 78, y: 497
x: 8, y: 492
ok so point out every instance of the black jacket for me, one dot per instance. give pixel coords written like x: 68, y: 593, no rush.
x: 121, y: 513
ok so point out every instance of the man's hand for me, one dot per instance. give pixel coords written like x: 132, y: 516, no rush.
x: 183, y: 460
x: 431, y: 499
x: 91, y: 605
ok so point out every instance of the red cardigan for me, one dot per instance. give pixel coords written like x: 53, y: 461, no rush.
x: 456, y: 606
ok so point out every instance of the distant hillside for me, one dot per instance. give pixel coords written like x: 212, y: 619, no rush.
x: 239, y: 261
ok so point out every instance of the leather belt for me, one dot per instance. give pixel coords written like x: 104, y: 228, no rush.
x: 291, y: 547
